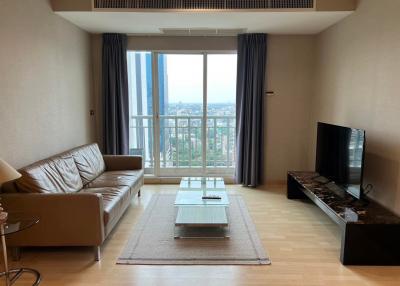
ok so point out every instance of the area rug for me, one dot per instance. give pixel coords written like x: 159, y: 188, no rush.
x: 152, y: 241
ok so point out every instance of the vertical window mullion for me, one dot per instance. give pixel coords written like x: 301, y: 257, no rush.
x: 156, y: 115
x: 204, y: 123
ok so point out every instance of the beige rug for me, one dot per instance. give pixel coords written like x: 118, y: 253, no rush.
x: 152, y: 241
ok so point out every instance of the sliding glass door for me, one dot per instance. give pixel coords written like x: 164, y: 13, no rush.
x: 181, y: 108
x: 221, y: 111
x: 192, y: 120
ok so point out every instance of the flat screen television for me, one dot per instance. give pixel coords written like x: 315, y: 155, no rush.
x: 340, y: 157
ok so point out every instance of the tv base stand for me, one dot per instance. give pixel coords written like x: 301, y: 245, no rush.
x: 370, y: 232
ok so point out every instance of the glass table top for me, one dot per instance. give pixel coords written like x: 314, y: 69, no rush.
x: 201, y: 183
x: 195, y: 198
x: 193, y: 190
x: 17, y: 222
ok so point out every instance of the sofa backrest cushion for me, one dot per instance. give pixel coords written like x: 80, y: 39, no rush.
x: 57, y: 174
x: 89, y: 161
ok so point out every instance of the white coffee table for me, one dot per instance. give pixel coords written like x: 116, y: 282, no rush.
x: 197, y: 217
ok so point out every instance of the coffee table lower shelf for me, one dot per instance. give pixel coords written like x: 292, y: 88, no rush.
x: 201, y: 222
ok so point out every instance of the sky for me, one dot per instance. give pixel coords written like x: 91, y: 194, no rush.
x: 185, y: 78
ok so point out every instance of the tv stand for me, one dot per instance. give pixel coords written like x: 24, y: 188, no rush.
x: 370, y: 232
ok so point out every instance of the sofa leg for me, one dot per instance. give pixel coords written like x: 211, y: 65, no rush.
x: 139, y: 194
x: 97, y: 254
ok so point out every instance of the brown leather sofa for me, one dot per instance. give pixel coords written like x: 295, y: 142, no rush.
x: 79, y: 196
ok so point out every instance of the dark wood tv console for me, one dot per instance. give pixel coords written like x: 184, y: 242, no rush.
x: 370, y: 232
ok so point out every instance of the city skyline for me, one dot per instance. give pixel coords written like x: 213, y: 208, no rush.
x: 180, y: 96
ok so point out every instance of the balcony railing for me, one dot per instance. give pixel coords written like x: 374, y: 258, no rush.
x: 181, y: 141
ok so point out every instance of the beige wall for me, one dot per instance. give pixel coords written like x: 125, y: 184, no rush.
x: 290, y: 71
x: 289, y: 74
x: 45, y: 82
x: 357, y: 84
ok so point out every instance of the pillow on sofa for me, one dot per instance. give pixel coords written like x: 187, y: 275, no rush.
x: 89, y: 161
x: 57, y: 174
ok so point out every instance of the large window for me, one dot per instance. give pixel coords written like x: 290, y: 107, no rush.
x: 190, y: 128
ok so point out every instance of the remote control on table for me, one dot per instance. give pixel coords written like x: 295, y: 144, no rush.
x: 211, y: 197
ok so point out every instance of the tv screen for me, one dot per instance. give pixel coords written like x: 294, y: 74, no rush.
x: 340, y: 156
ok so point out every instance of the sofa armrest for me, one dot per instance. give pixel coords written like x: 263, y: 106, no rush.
x: 65, y: 219
x: 122, y: 162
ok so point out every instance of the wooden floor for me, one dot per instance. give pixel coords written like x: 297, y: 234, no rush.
x: 302, y: 242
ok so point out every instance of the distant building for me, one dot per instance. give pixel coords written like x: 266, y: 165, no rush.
x: 141, y: 101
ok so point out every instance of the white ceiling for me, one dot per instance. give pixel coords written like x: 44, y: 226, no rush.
x: 152, y: 22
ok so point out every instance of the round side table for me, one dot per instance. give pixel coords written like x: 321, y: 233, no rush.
x: 16, y: 223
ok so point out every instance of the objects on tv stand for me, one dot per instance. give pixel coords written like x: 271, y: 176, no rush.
x: 337, y: 190
x: 321, y: 179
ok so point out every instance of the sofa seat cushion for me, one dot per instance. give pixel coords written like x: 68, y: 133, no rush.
x: 114, y: 200
x: 127, y: 178
x: 89, y: 161
x: 57, y: 174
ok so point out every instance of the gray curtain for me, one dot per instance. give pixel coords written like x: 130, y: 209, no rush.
x: 252, y: 50
x: 115, y: 94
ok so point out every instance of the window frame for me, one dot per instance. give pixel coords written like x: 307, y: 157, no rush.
x: 191, y: 171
